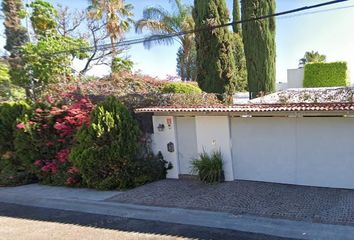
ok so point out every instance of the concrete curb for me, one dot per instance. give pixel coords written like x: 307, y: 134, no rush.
x: 268, y: 226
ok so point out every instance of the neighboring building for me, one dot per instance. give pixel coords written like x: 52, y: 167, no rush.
x: 295, y: 78
x: 269, y: 140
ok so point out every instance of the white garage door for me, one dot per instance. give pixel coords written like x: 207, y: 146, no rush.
x: 306, y: 151
x: 187, y: 143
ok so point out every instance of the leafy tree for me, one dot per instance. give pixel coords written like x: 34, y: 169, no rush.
x: 312, y: 57
x: 43, y: 18
x: 216, y: 70
x: 4, y: 82
x: 161, y: 22
x: 259, y: 44
x: 47, y: 60
x: 117, y: 16
x: 122, y: 65
x: 187, y: 67
x: 8, y: 91
x: 78, y: 24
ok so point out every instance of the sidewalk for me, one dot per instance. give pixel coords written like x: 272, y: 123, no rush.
x: 90, y: 201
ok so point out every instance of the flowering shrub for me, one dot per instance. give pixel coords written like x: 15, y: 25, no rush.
x: 45, y: 138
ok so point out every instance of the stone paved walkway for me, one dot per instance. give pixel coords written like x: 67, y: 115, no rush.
x: 311, y: 204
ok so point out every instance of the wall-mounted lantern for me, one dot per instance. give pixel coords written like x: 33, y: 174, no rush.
x: 161, y: 127
x: 170, y: 147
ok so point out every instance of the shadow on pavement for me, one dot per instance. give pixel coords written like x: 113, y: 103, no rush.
x: 125, y: 224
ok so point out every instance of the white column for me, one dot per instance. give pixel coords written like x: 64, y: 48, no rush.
x: 213, y: 134
x: 160, y: 139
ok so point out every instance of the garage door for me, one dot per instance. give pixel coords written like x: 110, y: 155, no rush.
x: 305, y: 151
x: 187, y: 143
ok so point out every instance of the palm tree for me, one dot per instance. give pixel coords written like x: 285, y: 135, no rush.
x: 118, y: 16
x: 161, y: 22
x: 314, y: 57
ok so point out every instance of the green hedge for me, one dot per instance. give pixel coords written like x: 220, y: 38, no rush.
x: 326, y: 75
x: 9, y: 113
x: 12, y: 170
x: 181, y: 88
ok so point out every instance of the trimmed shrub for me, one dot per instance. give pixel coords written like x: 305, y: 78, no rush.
x: 9, y: 113
x: 12, y: 170
x: 150, y: 168
x: 181, y: 88
x: 107, y: 150
x: 326, y: 75
x: 104, y: 150
x: 209, y: 167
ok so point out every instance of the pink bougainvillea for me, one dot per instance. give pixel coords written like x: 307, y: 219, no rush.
x: 63, y: 155
x: 21, y: 126
x: 53, y: 128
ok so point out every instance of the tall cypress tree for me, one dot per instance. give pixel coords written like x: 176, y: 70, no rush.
x: 216, y: 71
x: 236, y: 17
x: 240, y: 60
x: 259, y: 44
x: 16, y: 34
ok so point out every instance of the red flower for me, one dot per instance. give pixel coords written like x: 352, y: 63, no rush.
x: 38, y: 110
x: 50, y: 99
x: 21, y: 126
x: 56, y: 111
x: 38, y: 163
x: 63, y: 155
x: 70, y: 181
x: 73, y: 170
x: 50, y: 167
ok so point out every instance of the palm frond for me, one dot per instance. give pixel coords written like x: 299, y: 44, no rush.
x: 157, y: 39
x: 155, y: 13
x: 153, y: 25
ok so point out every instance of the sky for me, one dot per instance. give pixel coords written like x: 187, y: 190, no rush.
x: 328, y: 32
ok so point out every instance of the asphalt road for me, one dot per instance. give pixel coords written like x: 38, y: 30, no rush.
x: 22, y: 222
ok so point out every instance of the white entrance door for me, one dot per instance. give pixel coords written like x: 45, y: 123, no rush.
x: 186, y: 143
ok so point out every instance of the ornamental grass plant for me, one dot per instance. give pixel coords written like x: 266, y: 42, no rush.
x: 209, y: 168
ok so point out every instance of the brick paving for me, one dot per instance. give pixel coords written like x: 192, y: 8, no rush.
x: 310, y: 204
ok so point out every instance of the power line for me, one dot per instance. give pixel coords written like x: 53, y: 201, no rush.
x: 208, y: 28
x: 319, y: 11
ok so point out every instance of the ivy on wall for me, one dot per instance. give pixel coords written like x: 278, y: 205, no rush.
x: 326, y: 75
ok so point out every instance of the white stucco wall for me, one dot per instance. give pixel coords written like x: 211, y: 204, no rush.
x: 315, y: 151
x: 161, y: 139
x: 213, y: 134
x: 296, y: 78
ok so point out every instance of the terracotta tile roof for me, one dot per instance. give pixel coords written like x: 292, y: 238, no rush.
x: 250, y: 108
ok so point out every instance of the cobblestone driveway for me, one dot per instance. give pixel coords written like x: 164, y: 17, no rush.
x: 312, y: 204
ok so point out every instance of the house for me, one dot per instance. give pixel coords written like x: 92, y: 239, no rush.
x: 271, y: 139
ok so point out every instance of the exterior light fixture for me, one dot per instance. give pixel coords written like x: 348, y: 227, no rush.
x: 161, y: 127
x: 170, y: 147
